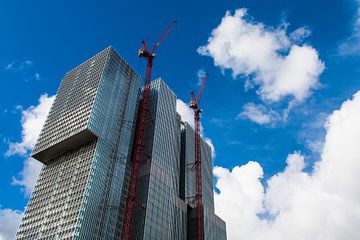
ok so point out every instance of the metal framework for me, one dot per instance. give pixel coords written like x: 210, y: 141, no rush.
x: 194, y: 105
x: 144, y: 52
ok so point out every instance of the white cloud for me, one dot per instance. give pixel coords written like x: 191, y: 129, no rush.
x: 300, y: 34
x: 32, y: 121
x: 200, y: 74
x: 296, y: 205
x: 212, y: 147
x: 9, y: 222
x: 240, y: 198
x: 28, y: 175
x: 20, y: 66
x: 37, y: 76
x: 9, y: 66
x: 351, y: 46
x: 272, y: 60
x: 313, y: 132
x: 26, y: 64
x: 186, y: 113
x: 24, y: 69
x: 259, y: 114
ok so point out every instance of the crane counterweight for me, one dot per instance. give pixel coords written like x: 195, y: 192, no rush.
x: 145, y: 53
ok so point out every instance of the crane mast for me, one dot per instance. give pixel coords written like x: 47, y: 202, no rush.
x: 194, y: 105
x: 144, y: 52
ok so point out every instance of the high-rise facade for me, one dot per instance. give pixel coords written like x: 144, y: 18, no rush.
x: 95, y: 104
x: 162, y: 214
x: 214, y: 227
x: 86, y: 146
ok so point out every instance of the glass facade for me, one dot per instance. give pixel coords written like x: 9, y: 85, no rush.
x: 112, y: 118
x: 160, y: 214
x: 54, y: 206
x: 187, y: 159
x: 167, y: 182
x: 214, y: 227
x: 86, y: 146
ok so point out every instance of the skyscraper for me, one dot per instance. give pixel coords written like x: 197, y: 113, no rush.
x: 86, y: 146
x: 162, y: 214
x: 77, y: 147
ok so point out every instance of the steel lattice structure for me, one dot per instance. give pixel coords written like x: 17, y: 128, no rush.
x: 194, y: 104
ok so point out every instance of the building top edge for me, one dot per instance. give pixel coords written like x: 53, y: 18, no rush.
x: 108, y: 49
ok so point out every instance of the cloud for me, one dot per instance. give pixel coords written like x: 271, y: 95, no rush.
x: 212, y: 147
x: 32, y: 121
x: 187, y: 115
x: 25, y: 69
x: 294, y: 204
x: 28, y: 176
x: 9, y: 222
x: 259, y: 114
x: 26, y: 64
x: 20, y: 66
x: 37, y: 76
x: 272, y: 60
x: 313, y: 132
x: 300, y: 34
x: 351, y: 46
x: 200, y: 74
x: 9, y: 66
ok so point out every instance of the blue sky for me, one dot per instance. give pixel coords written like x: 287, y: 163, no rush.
x: 40, y: 41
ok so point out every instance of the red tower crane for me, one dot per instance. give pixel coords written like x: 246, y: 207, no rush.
x: 194, y: 105
x: 144, y: 52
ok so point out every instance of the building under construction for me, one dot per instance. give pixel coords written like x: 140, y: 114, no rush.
x: 87, y: 146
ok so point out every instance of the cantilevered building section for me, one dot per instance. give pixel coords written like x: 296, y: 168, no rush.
x: 95, y: 105
x: 86, y: 145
